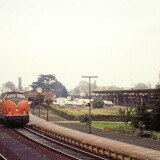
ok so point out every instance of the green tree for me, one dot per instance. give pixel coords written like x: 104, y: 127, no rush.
x: 64, y: 92
x: 155, y: 114
x: 97, y: 103
x: 54, y: 86
x: 156, y: 96
x: 39, y: 99
x: 149, y: 119
x: 141, y: 115
x: 127, y: 114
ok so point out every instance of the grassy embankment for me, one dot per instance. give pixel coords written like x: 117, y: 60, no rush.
x: 80, y: 111
x: 107, y: 125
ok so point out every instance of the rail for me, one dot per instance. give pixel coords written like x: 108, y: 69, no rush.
x: 2, y: 157
x: 63, y: 149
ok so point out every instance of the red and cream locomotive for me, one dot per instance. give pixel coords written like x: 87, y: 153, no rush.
x: 14, y: 108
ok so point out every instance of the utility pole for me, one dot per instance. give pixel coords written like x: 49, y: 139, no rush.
x: 159, y: 76
x: 90, y: 118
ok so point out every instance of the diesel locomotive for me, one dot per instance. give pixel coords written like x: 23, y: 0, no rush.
x: 14, y: 108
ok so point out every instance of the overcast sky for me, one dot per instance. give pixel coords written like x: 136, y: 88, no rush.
x: 116, y: 40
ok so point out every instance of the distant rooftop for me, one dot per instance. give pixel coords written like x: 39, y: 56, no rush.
x: 104, y: 88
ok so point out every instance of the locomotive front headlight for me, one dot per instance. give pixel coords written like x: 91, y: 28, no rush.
x: 24, y: 110
x: 9, y: 110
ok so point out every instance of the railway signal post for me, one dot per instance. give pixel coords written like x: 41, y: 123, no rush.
x: 90, y: 118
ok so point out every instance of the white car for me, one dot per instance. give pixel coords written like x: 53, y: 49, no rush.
x: 108, y: 103
x: 60, y: 101
x: 69, y: 103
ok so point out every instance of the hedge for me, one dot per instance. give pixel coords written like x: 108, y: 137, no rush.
x: 94, y: 117
x: 62, y: 114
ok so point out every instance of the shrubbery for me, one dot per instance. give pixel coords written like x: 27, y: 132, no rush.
x: 97, y: 103
x: 62, y: 114
x: 84, y: 118
x: 38, y: 99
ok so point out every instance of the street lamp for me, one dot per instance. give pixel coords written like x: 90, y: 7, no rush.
x: 39, y: 90
x: 90, y: 118
x: 47, y: 82
x: 33, y: 85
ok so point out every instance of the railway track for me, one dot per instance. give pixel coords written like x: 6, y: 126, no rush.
x: 2, y: 157
x: 16, y: 147
x: 56, y: 146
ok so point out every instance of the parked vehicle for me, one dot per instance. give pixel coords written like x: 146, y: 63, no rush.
x: 59, y: 101
x: 108, y: 103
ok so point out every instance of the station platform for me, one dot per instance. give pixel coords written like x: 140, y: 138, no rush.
x: 95, y: 143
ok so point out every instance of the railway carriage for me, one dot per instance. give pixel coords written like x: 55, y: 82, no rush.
x: 14, y: 108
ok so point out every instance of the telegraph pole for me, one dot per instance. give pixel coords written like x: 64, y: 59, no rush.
x: 90, y: 118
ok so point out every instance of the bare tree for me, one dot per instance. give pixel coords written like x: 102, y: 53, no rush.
x: 141, y: 86
x: 10, y: 85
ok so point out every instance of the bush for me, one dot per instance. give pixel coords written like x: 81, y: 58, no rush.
x: 141, y: 115
x: 83, y: 119
x: 62, y: 114
x: 127, y: 114
x: 39, y: 99
x: 97, y: 103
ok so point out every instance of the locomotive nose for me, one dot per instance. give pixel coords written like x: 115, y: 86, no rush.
x: 16, y: 100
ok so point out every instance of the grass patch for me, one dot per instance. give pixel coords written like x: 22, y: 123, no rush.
x: 72, y: 112
x: 157, y: 134
x: 102, y: 125
x: 113, y: 126
x: 79, y: 111
x: 117, y: 127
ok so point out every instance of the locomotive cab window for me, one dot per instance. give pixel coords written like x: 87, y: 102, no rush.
x: 15, y: 95
x: 11, y: 95
x: 20, y: 96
